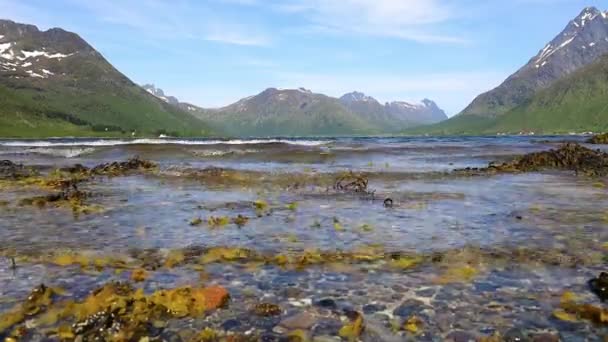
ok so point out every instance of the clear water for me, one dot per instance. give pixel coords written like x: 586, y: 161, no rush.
x: 435, y: 210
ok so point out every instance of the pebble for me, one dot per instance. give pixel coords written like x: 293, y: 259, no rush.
x: 546, y: 337
x: 460, y: 336
x: 327, y: 303
x: 373, y: 308
x: 409, y: 308
x: 231, y: 324
x: 514, y: 335
x: 303, y: 320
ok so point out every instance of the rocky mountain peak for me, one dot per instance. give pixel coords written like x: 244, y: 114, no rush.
x: 357, y: 96
x: 151, y: 88
x: 583, y: 41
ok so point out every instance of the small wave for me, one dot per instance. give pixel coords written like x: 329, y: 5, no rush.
x: 54, y: 152
x: 97, y: 143
x: 217, y: 153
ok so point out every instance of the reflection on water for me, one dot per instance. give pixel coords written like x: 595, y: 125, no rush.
x: 482, y: 286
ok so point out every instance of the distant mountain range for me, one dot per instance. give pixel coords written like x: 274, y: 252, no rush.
x: 53, y: 83
x: 300, y: 112
x: 561, y: 89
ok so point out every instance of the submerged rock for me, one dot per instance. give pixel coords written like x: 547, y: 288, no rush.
x: 599, y: 286
x: 12, y: 171
x: 303, y: 320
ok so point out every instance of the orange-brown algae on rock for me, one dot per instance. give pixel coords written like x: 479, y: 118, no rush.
x: 139, y: 275
x: 37, y: 302
x: 215, y: 297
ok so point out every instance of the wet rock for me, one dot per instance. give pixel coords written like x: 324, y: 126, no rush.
x: 231, y: 324
x: 329, y: 327
x: 10, y: 170
x: 599, y: 286
x: 546, y: 337
x: 267, y: 309
x: 485, y: 287
x: 327, y: 303
x: 515, y: 335
x: 77, y: 168
x: 377, y: 332
x: 373, y: 308
x: 427, y: 293
x: 325, y: 338
x: 303, y: 320
x: 460, y: 336
x: 409, y: 307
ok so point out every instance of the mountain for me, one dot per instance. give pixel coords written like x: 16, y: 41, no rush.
x: 300, y: 112
x: 53, y: 83
x: 287, y: 112
x: 395, y: 115
x: 582, y: 42
x: 538, y: 96
x: 150, y: 88
x: 577, y: 102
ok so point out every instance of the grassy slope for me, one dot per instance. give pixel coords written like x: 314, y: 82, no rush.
x: 322, y: 118
x: 578, y: 102
x: 61, y: 111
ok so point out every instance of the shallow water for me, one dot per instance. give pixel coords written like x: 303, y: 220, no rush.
x: 476, y: 222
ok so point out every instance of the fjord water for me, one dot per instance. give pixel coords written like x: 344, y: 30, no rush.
x: 479, y: 223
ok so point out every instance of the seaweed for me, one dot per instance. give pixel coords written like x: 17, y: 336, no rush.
x: 569, y: 156
x: 122, y: 168
x: 12, y: 171
x: 599, y: 139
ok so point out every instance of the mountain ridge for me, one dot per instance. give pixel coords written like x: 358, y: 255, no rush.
x: 581, y: 42
x: 344, y: 115
x: 53, y: 83
x: 521, y: 103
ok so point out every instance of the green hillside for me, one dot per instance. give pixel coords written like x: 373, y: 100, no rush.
x: 52, y: 83
x: 291, y: 112
x: 575, y: 103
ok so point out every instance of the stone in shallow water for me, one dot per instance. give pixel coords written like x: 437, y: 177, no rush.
x: 426, y: 293
x: 514, y: 335
x: 485, y: 287
x: 546, y: 337
x: 329, y: 327
x: 409, y: 308
x: 303, y: 320
x: 372, y: 308
x: 599, y: 286
x: 327, y: 303
x: 460, y: 336
x: 231, y: 324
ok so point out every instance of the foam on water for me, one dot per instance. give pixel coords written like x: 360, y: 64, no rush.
x: 105, y: 142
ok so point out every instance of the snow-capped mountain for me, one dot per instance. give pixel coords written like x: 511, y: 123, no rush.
x: 394, y: 113
x: 583, y: 41
x: 59, y: 84
x: 150, y: 88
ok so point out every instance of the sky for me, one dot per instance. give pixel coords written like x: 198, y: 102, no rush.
x: 213, y: 52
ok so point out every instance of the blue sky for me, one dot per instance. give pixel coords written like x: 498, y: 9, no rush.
x: 214, y: 52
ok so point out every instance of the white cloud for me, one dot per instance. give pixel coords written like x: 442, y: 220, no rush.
x: 415, y: 20
x: 176, y: 20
